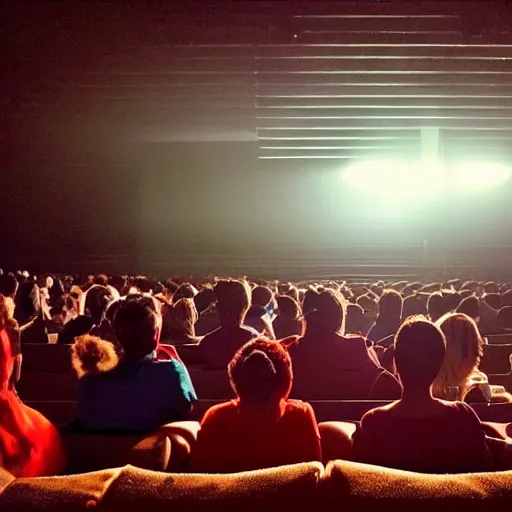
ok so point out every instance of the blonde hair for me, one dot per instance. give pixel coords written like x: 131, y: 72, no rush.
x: 464, y: 349
x: 91, y: 355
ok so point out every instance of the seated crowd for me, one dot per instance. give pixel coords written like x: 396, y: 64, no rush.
x: 417, y: 344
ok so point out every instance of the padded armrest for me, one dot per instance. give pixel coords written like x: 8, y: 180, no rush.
x: 77, y: 492
x: 188, y: 430
x: 336, y: 439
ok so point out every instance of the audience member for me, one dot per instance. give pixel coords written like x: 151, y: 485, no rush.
x: 288, y: 321
x: 464, y: 349
x: 29, y: 444
x: 329, y: 365
x: 261, y: 428
x: 178, y: 323
x: 389, y: 316
x: 233, y: 301
x: 140, y: 393
x: 419, y: 432
x: 259, y: 314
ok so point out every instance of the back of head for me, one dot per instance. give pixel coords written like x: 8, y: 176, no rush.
x: 137, y: 325
x: 233, y: 301
x: 355, y: 319
x: 436, y: 306
x: 324, y: 313
x: 367, y: 303
x: 185, y: 291
x: 419, y: 352
x: 287, y: 307
x: 181, y: 316
x: 414, y: 305
x: 491, y: 287
x: 506, y: 298
x: 390, y: 306
x: 464, y: 348
x: 28, y: 302
x: 494, y: 300
x: 451, y: 300
x: 261, y: 372
x: 96, y: 300
x: 101, y: 279
x: 8, y: 285
x: 204, y: 299
x: 261, y: 296
x: 470, y: 307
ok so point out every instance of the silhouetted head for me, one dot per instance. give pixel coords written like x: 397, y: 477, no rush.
x: 470, y: 307
x: 8, y: 285
x: 233, y: 301
x: 185, y: 291
x: 261, y: 372
x: 261, y: 296
x: 494, y: 300
x: 204, y: 299
x: 137, y: 325
x: 287, y: 307
x: 436, y: 306
x: 419, y: 353
x: 390, y: 307
x: 96, y: 300
x: 180, y: 318
x: 323, y: 312
x: 414, y: 305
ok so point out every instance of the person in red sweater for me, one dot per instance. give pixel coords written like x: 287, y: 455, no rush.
x: 30, y: 445
x: 418, y: 432
x: 261, y: 428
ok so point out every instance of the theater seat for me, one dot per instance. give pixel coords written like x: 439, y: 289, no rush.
x: 496, y: 359
x: 47, y: 386
x: 350, y: 484
x: 91, y: 452
x: 46, y: 358
x: 211, y: 384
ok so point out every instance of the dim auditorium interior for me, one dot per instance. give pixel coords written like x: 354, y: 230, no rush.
x: 255, y: 255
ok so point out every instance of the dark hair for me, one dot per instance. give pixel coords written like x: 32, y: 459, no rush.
x: 204, y: 299
x: 436, y: 306
x: 470, y: 307
x: 185, y: 291
x: 287, y: 306
x: 420, y: 348
x: 261, y: 371
x: 261, y: 296
x: 8, y: 285
x: 390, y: 306
x: 413, y: 305
x: 136, y: 326
x: 323, y: 311
x: 494, y: 300
x: 101, y: 279
x: 233, y: 300
x: 96, y: 301
x: 506, y: 298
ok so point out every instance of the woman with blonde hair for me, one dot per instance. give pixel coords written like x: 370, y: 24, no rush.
x: 464, y: 349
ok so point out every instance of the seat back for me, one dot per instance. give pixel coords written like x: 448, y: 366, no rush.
x: 46, y: 358
x: 496, y: 359
x: 211, y: 384
x: 47, y: 386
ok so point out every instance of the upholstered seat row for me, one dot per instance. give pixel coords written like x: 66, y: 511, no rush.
x: 309, y: 486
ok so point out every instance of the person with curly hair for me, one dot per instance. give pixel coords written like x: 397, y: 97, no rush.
x: 261, y: 427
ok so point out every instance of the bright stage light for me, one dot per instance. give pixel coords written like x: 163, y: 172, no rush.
x: 473, y: 176
x: 420, y: 181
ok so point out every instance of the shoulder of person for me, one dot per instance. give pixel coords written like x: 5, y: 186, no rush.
x: 220, y: 412
x: 297, y: 406
x: 376, y: 415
